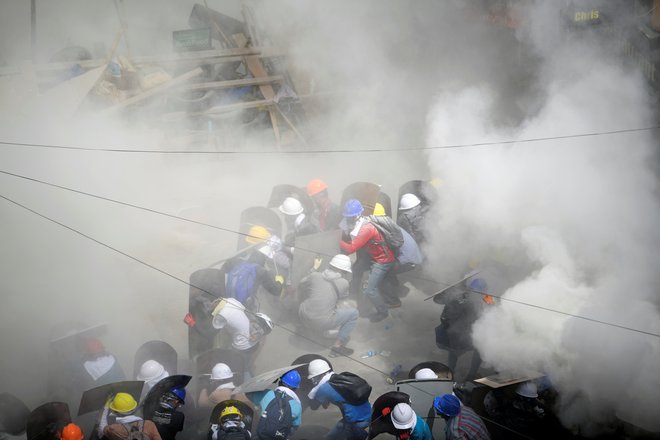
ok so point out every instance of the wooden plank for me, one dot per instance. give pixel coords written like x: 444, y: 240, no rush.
x: 158, y: 89
x: 220, y: 109
x: 234, y: 83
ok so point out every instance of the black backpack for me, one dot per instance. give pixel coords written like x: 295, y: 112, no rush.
x: 351, y: 387
x: 390, y: 231
x: 276, y: 419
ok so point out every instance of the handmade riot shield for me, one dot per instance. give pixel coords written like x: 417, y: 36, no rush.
x: 159, y: 351
x: 422, y: 393
x: 438, y: 296
x: 323, y: 245
x: 151, y: 401
x: 281, y: 192
x: 263, y: 380
x: 380, y: 412
x: 205, y: 362
x: 425, y: 192
x: 206, y: 285
x: 365, y: 192
x: 64, y: 355
x: 257, y: 216
x: 46, y: 422
x: 94, y: 399
x: 441, y: 370
x: 385, y: 200
x: 246, y: 411
x: 306, y: 384
x: 13, y: 414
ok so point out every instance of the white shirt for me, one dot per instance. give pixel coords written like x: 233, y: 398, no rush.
x: 238, y: 324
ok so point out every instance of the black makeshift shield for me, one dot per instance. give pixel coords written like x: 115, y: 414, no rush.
x: 46, y: 422
x: 94, y: 399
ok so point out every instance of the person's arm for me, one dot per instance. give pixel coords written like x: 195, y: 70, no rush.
x: 269, y: 282
x: 103, y: 420
x: 151, y: 430
x: 358, y: 242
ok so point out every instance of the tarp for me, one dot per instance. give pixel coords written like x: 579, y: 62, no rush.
x: 365, y: 192
x: 258, y: 216
x: 422, y: 393
x: 94, y: 399
x: 263, y: 380
x: 246, y: 411
x: 150, y: 404
x: 46, y: 421
x: 13, y: 414
x: 159, y: 351
x: 440, y: 369
x: 381, y: 421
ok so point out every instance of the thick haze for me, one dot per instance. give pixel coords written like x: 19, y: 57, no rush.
x: 578, y: 216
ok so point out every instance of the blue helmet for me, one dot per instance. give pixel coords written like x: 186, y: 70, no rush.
x: 447, y: 404
x: 479, y: 285
x: 352, y: 208
x: 180, y: 393
x: 291, y: 379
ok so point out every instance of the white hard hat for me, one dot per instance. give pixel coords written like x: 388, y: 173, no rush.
x: 527, y: 389
x: 341, y: 262
x: 267, y: 251
x: 291, y: 206
x: 316, y: 367
x: 426, y: 373
x: 150, y: 370
x: 221, y: 371
x: 403, y: 416
x: 265, y: 322
x: 409, y: 201
x: 219, y: 322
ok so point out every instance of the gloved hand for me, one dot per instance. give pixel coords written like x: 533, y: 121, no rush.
x: 188, y: 319
x: 279, y: 279
x: 317, y: 263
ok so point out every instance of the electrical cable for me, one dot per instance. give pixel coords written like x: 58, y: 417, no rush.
x: 293, y: 332
x: 320, y: 253
x: 336, y: 151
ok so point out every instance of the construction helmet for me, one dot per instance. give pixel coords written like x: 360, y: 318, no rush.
x: 316, y: 186
x: 478, y: 285
x: 409, y: 201
x: 123, y: 403
x: 291, y: 379
x: 230, y: 412
x: 221, y: 371
x: 265, y: 322
x: 72, y: 432
x: 317, y: 367
x: 291, y: 206
x: 93, y: 346
x: 403, y: 416
x: 150, y: 370
x: 352, y: 208
x: 527, y: 389
x: 426, y: 373
x: 180, y: 393
x: 257, y: 234
x: 341, y: 262
x: 379, y: 209
x: 447, y: 404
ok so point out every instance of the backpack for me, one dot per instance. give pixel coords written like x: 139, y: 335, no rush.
x: 390, y: 231
x: 135, y: 432
x: 276, y: 420
x: 351, y: 387
x: 240, y: 281
x: 234, y: 434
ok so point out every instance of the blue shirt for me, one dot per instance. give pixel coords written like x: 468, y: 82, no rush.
x: 263, y: 398
x: 421, y: 431
x: 351, y: 413
x: 409, y: 251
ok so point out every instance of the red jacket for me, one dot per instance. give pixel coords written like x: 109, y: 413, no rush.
x: 374, y: 241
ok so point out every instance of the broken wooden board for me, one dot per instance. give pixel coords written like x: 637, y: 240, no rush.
x: 503, y: 379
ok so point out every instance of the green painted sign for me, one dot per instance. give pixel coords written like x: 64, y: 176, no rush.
x: 192, y: 39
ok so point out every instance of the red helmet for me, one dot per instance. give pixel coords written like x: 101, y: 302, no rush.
x: 72, y: 432
x: 316, y: 186
x: 93, y: 346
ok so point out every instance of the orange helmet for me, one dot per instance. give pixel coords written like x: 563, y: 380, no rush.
x: 316, y: 186
x: 93, y: 346
x: 72, y: 432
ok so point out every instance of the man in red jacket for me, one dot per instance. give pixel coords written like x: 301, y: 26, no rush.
x: 358, y: 232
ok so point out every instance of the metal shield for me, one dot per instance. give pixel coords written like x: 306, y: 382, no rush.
x: 94, y: 399
x: 46, y: 422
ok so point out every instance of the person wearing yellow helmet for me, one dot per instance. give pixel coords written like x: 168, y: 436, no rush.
x: 230, y: 426
x: 120, y: 410
x: 257, y: 234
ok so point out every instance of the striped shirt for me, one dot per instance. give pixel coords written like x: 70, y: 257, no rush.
x: 466, y: 426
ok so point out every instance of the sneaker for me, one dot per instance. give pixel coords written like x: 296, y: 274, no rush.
x: 393, y: 305
x: 344, y: 351
x: 378, y: 316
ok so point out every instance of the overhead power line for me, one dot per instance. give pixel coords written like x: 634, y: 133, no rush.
x: 502, y: 298
x: 334, y: 151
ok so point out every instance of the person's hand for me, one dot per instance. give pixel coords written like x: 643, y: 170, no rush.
x: 279, y: 279
x: 189, y: 320
x: 317, y: 263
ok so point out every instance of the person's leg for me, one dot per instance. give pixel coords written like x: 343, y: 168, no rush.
x: 361, y: 265
x: 346, y: 319
x: 474, y: 366
x: 378, y: 272
x: 356, y: 431
x: 336, y: 433
x: 452, y: 360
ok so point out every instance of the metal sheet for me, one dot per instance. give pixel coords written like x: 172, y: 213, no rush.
x: 323, y: 245
x: 46, y: 421
x: 382, y: 423
x: 159, y: 351
x: 152, y: 399
x: 205, y: 362
x: 365, y: 192
x: 13, y: 414
x: 422, y: 393
x: 258, y: 216
x: 94, y: 399
x: 211, y: 283
x: 440, y: 369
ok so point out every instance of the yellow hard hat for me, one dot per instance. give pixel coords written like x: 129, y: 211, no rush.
x: 230, y: 411
x: 257, y: 234
x: 123, y: 403
x: 379, y: 209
